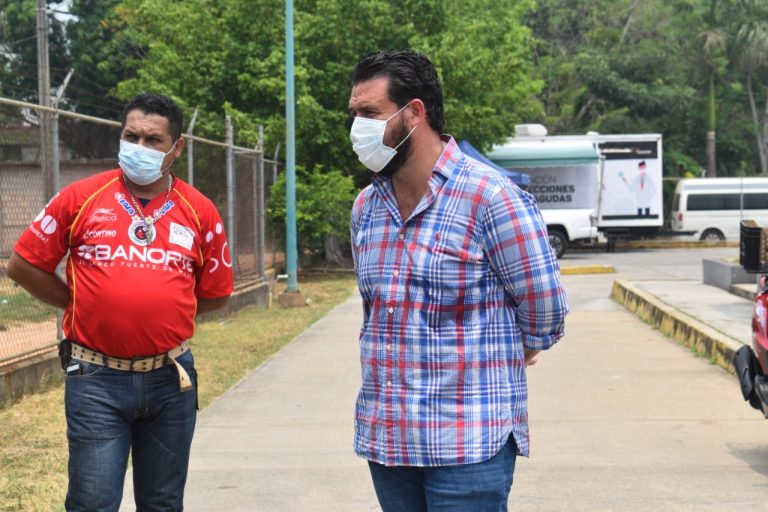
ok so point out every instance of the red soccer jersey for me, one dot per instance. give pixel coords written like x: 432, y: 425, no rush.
x: 127, y: 298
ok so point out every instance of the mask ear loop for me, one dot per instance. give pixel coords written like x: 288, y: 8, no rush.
x: 162, y: 171
x: 409, y: 133
x: 406, y: 137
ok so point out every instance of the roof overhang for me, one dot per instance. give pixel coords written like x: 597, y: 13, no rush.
x: 519, y: 155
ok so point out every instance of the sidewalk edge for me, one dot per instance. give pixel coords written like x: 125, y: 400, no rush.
x: 686, y: 330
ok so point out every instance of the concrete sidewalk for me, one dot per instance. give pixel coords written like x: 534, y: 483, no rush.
x: 281, y: 440
x: 712, y: 322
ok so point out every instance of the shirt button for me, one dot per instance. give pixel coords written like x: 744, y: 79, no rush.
x: 389, y: 383
x: 396, y: 273
x: 401, y: 236
x: 389, y: 346
x: 391, y: 310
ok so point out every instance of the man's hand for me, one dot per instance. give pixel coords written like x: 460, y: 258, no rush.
x: 530, y: 357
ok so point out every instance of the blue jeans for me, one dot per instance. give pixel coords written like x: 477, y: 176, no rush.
x: 111, y: 412
x: 481, y: 487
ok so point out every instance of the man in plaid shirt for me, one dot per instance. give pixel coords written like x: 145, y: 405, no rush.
x: 460, y: 289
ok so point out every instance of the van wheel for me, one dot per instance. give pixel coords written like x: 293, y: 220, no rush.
x: 559, y: 242
x: 712, y: 234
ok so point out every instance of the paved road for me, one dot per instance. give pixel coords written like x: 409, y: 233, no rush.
x: 622, y: 418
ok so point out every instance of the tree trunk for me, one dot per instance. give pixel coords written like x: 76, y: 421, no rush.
x: 711, y: 164
x: 333, y: 252
x: 765, y: 132
x: 761, y: 149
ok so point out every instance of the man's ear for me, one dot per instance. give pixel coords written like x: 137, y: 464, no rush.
x: 180, y: 142
x: 418, y: 109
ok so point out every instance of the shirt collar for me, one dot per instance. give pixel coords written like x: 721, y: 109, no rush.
x: 441, y: 173
x: 446, y: 162
x: 449, y: 159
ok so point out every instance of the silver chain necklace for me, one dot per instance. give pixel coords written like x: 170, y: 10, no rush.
x: 149, y: 224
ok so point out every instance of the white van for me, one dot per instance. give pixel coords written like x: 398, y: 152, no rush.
x: 713, y: 207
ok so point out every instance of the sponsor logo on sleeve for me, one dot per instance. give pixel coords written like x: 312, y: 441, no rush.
x: 224, y: 257
x: 43, y: 225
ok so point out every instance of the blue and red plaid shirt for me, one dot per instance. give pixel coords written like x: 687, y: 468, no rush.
x: 451, y: 298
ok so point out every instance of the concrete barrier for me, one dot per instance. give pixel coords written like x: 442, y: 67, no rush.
x: 701, y: 338
x: 723, y: 274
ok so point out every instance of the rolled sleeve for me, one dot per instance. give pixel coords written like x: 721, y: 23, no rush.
x: 517, y: 245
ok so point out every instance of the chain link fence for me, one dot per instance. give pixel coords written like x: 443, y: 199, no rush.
x: 236, y: 179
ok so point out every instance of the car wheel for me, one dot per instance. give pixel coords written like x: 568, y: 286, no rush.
x: 559, y: 242
x: 712, y: 234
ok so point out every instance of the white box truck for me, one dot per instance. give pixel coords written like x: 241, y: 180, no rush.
x: 585, y: 184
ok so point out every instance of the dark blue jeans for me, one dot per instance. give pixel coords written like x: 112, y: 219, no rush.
x: 481, y: 487
x: 112, y: 412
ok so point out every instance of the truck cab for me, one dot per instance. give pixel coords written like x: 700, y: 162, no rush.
x: 569, y: 227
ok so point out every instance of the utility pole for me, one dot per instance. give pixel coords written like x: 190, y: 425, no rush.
x: 44, y: 99
x: 292, y: 296
x: 290, y: 154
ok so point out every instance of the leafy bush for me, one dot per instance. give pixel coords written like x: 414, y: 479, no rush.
x: 323, y: 204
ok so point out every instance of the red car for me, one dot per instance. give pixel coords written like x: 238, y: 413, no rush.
x: 752, y: 363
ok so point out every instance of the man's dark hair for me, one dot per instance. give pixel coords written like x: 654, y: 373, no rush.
x: 157, y: 104
x: 411, y: 76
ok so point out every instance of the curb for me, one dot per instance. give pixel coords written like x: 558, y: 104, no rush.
x: 587, y: 269
x: 742, y: 292
x: 676, y: 244
x: 686, y: 330
x: 658, y: 244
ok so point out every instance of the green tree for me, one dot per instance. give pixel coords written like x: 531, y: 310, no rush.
x: 210, y: 54
x: 18, y: 49
x: 751, y: 59
x: 323, y: 203
x: 632, y: 66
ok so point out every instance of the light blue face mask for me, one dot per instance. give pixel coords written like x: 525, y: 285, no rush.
x: 140, y: 164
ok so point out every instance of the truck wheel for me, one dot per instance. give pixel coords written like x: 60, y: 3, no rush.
x: 712, y: 234
x: 559, y: 242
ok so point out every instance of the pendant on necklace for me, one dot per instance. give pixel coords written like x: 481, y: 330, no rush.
x: 141, y: 232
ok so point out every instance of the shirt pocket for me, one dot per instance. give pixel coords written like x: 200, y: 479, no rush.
x: 449, y: 271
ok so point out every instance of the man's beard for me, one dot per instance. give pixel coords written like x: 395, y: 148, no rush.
x: 403, y: 152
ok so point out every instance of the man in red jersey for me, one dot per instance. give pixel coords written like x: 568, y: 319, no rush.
x: 147, y: 253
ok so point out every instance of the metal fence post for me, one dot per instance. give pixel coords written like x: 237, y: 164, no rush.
x: 274, y: 180
x: 44, y: 99
x: 191, y: 150
x: 259, y: 224
x: 231, y: 233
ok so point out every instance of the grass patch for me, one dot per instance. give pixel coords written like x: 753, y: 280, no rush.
x: 17, y: 307
x: 33, y: 445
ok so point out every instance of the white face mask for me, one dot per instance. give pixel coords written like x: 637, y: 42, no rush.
x: 142, y: 165
x: 367, y: 136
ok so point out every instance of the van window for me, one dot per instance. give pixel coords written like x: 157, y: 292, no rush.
x: 752, y: 201
x: 699, y: 202
x: 756, y: 201
x: 676, y: 202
